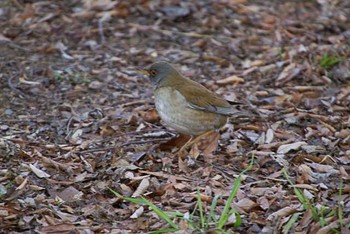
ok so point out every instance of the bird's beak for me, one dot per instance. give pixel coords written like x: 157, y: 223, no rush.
x: 143, y: 70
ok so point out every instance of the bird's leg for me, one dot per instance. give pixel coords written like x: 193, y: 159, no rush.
x: 193, y: 140
x: 183, y: 148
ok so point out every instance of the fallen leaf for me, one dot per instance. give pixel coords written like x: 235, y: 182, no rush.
x: 137, y: 213
x: 283, y: 149
x: 70, y: 194
x: 143, y: 186
x: 269, y: 136
x: 246, y: 204
x: 286, y: 211
x: 230, y: 80
x: 3, y: 38
x: 39, y: 173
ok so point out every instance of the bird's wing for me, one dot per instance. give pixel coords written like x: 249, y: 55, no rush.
x: 200, y: 98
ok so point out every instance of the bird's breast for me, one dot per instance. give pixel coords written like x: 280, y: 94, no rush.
x: 175, y: 112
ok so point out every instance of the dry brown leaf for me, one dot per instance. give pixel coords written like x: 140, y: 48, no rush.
x: 163, y: 175
x: 143, y: 186
x: 70, y: 194
x: 96, y: 85
x: 288, y: 73
x: 263, y: 203
x: 305, y: 186
x: 283, y: 149
x: 150, y: 116
x: 3, y: 38
x: 306, y: 174
x: 58, y: 228
x: 24, y: 81
x: 344, y: 174
x: 269, y: 136
x: 23, y: 184
x: 66, y: 217
x: 246, y: 204
x: 260, y: 191
x: 323, y: 168
x: 286, y: 211
x: 343, y: 133
x: 210, y: 144
x: 38, y: 172
x: 306, y: 218
x: 137, y: 213
x: 231, y: 79
x: 180, y: 186
x: 333, y: 226
x: 99, y: 4
x: 280, y: 159
x: 182, y: 163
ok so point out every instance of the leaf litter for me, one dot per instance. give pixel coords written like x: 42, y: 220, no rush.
x: 77, y: 119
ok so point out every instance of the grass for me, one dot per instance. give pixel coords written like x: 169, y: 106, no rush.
x: 199, y: 220
x: 321, y: 214
x: 71, y: 78
x: 328, y: 61
x: 4, y: 189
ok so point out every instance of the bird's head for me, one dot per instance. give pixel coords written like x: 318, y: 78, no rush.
x: 160, y: 72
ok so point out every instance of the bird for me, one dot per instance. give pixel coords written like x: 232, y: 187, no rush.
x: 187, y: 106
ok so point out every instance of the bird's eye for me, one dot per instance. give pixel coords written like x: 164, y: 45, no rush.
x: 153, y: 73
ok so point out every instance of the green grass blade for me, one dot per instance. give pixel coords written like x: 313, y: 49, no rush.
x: 328, y: 61
x: 227, y: 208
x: 170, y: 230
x: 144, y: 201
x: 291, y: 222
x: 174, y: 214
x: 340, y: 205
x: 137, y: 201
x: 201, y: 212
x: 212, y: 209
x: 238, y: 220
x: 236, y: 184
x: 226, y: 212
x: 160, y: 213
x: 304, y: 200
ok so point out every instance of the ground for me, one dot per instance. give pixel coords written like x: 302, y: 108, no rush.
x: 77, y: 120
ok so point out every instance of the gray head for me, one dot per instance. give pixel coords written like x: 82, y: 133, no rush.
x: 160, y: 72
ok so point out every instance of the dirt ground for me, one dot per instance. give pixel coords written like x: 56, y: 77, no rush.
x: 76, y: 118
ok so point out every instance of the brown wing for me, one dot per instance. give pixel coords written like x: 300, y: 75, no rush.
x: 200, y: 98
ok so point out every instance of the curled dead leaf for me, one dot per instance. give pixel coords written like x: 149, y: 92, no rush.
x: 137, y: 213
x: 143, y: 186
x: 150, y: 116
x: 38, y: 172
x: 283, y: 149
x: 230, y: 80
x: 263, y: 203
x: 246, y: 204
x: 286, y: 211
x: 269, y: 136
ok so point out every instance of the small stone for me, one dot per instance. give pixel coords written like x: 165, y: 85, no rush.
x: 8, y: 112
x: 4, y: 127
x: 96, y: 85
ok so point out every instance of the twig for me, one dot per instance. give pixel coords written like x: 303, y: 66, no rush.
x: 14, y: 45
x: 23, y: 120
x: 143, y: 142
x: 98, y: 149
x: 13, y: 87
x: 169, y: 32
x: 68, y: 125
x: 100, y: 31
x: 17, y: 4
x: 143, y: 101
x: 122, y: 145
